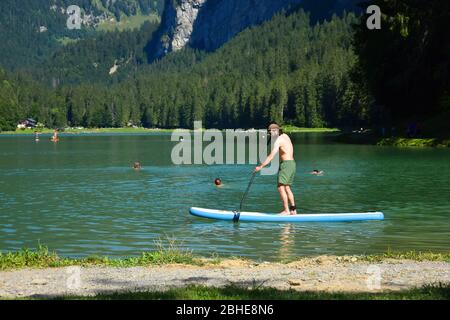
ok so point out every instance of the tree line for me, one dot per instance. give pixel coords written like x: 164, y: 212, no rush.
x: 334, y: 73
x: 285, y: 70
x: 406, y: 64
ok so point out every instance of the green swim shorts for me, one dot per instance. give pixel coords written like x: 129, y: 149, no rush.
x: 286, y: 173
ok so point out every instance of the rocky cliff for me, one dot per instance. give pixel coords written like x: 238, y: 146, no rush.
x: 207, y: 24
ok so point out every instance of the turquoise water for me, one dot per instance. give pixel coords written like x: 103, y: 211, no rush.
x: 80, y: 197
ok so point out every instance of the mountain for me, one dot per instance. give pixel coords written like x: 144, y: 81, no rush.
x: 117, y: 38
x: 285, y: 70
x: 32, y: 31
x: 229, y: 63
x: 208, y: 24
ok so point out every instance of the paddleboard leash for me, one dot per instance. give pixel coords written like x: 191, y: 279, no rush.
x: 237, y: 213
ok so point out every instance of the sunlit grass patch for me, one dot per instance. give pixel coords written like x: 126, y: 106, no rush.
x: 407, y: 255
x: 39, y: 258
x: 193, y: 292
x: 414, y: 142
x: 170, y: 252
x: 128, y: 22
x: 293, y: 129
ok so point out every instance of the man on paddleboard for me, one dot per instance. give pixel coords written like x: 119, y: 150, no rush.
x: 286, y: 174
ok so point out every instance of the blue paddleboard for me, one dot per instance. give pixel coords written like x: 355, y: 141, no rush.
x: 270, y: 217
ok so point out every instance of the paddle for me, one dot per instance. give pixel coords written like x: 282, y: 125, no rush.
x: 237, y: 214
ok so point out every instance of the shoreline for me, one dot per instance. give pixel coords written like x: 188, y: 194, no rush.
x: 320, y: 276
x: 46, y: 131
x: 170, y: 272
x: 346, y: 138
x: 41, y: 257
x: 29, y: 132
x: 394, y: 141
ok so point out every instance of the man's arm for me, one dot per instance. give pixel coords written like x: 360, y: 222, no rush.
x: 270, y: 157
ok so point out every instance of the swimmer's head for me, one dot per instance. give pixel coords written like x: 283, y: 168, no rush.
x: 137, y: 165
x: 218, y: 182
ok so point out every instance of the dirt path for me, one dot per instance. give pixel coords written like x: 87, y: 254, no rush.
x: 315, y: 274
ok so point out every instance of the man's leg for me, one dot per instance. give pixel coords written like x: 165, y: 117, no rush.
x: 291, y: 198
x: 284, y: 198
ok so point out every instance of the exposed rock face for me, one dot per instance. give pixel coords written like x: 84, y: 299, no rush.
x: 207, y: 24
x: 186, y: 17
x: 223, y: 19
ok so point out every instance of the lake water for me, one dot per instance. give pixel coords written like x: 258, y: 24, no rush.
x: 80, y: 197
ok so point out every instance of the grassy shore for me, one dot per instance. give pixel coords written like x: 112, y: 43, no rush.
x: 89, y: 131
x: 43, y: 258
x: 178, y: 274
x: 287, y: 129
x: 434, y: 132
x: 170, y: 254
x: 294, y: 129
x: 430, y: 292
x: 370, y: 138
x: 414, y: 142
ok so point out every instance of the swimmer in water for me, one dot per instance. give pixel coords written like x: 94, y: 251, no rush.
x: 316, y: 172
x: 55, y: 136
x: 137, y: 166
x: 36, y: 136
x: 218, y: 183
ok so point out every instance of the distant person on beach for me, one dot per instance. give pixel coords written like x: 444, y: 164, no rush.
x: 316, y: 172
x: 55, y: 136
x: 137, y: 166
x: 286, y: 174
x: 218, y: 182
x: 36, y: 136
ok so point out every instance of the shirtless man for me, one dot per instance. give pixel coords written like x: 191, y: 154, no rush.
x: 286, y: 174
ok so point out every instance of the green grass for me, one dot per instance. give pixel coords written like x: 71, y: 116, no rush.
x: 173, y: 254
x: 371, y: 138
x: 89, y: 130
x: 116, y: 130
x: 434, y: 132
x: 193, y: 292
x: 170, y: 253
x: 27, y: 131
x: 408, y: 255
x: 287, y: 129
x: 392, y: 255
x: 294, y: 129
x: 128, y: 23
x: 66, y: 40
x: 414, y: 142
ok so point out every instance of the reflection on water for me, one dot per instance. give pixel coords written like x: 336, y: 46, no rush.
x: 82, y: 197
x: 287, y: 241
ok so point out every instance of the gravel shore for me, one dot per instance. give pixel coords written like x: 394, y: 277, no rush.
x: 344, y: 274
